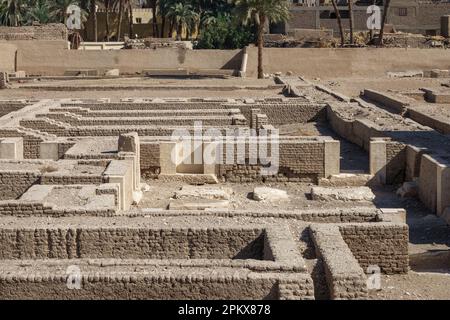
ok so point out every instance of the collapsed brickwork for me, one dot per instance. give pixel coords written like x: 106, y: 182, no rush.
x: 51, y: 31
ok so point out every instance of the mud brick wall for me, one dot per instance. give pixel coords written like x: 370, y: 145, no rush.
x: 31, y: 143
x: 124, y: 283
x: 145, y: 106
x: 150, y: 158
x: 53, y: 31
x: 3, y: 85
x: 145, y: 120
x: 426, y: 120
x: 395, y: 162
x: 357, y: 131
x: 66, y: 130
x: 381, y: 244
x: 286, y: 113
x: 46, y: 125
x: 299, y: 161
x: 345, y: 278
x: 131, y: 243
x: 9, y: 107
x: 69, y: 180
x: 303, y: 157
x: 23, y: 209
x: 63, y: 147
x: 14, y: 183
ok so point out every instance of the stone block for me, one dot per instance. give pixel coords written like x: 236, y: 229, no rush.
x: 11, y: 148
x: 342, y: 194
x: 49, y: 150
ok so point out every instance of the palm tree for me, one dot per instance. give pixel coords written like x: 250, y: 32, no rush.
x: 12, y: 12
x: 260, y: 12
x: 93, y: 14
x: 119, y: 4
x: 164, y: 6
x: 107, y: 4
x: 183, y: 17
x: 39, y: 12
x: 339, y: 21
x: 154, y: 4
x: 383, y: 20
x: 59, y: 9
x: 350, y: 17
x: 130, y: 20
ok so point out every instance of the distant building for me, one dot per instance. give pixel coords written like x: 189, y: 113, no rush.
x: 415, y: 16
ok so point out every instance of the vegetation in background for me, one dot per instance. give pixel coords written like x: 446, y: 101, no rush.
x: 261, y: 12
x: 222, y: 33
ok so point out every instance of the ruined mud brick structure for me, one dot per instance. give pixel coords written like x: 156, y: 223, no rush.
x: 71, y: 178
x: 3, y: 80
x: 51, y: 31
x: 414, y: 16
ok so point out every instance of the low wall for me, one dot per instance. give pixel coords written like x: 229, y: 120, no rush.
x: 31, y: 143
x: 299, y: 160
x: 382, y: 244
x: 6, y: 108
x: 430, y: 121
x: 434, y: 181
x: 128, y: 243
x: 14, y: 183
x: 332, y: 62
x: 50, y: 58
x: 345, y: 278
x: 285, y: 113
x: 51, y: 31
x: 7, y: 57
x: 358, y: 131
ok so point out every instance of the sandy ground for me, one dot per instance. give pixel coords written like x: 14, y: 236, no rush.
x: 144, y: 87
x: 352, y: 86
x: 161, y: 193
x: 414, y: 286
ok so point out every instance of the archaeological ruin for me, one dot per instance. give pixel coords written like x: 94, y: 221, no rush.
x: 171, y: 173
x: 100, y: 199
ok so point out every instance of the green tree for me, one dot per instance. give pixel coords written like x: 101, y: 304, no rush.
x: 12, y: 12
x: 261, y: 12
x: 183, y: 17
x: 39, y: 12
x: 222, y: 32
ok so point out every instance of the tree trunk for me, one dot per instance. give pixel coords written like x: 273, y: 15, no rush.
x: 119, y: 23
x: 107, y: 19
x: 154, y: 20
x: 350, y: 16
x: 262, y: 21
x: 93, y: 12
x: 179, y: 31
x: 339, y: 21
x: 171, y: 29
x: 130, y: 13
x: 163, y: 25
x: 383, y: 21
